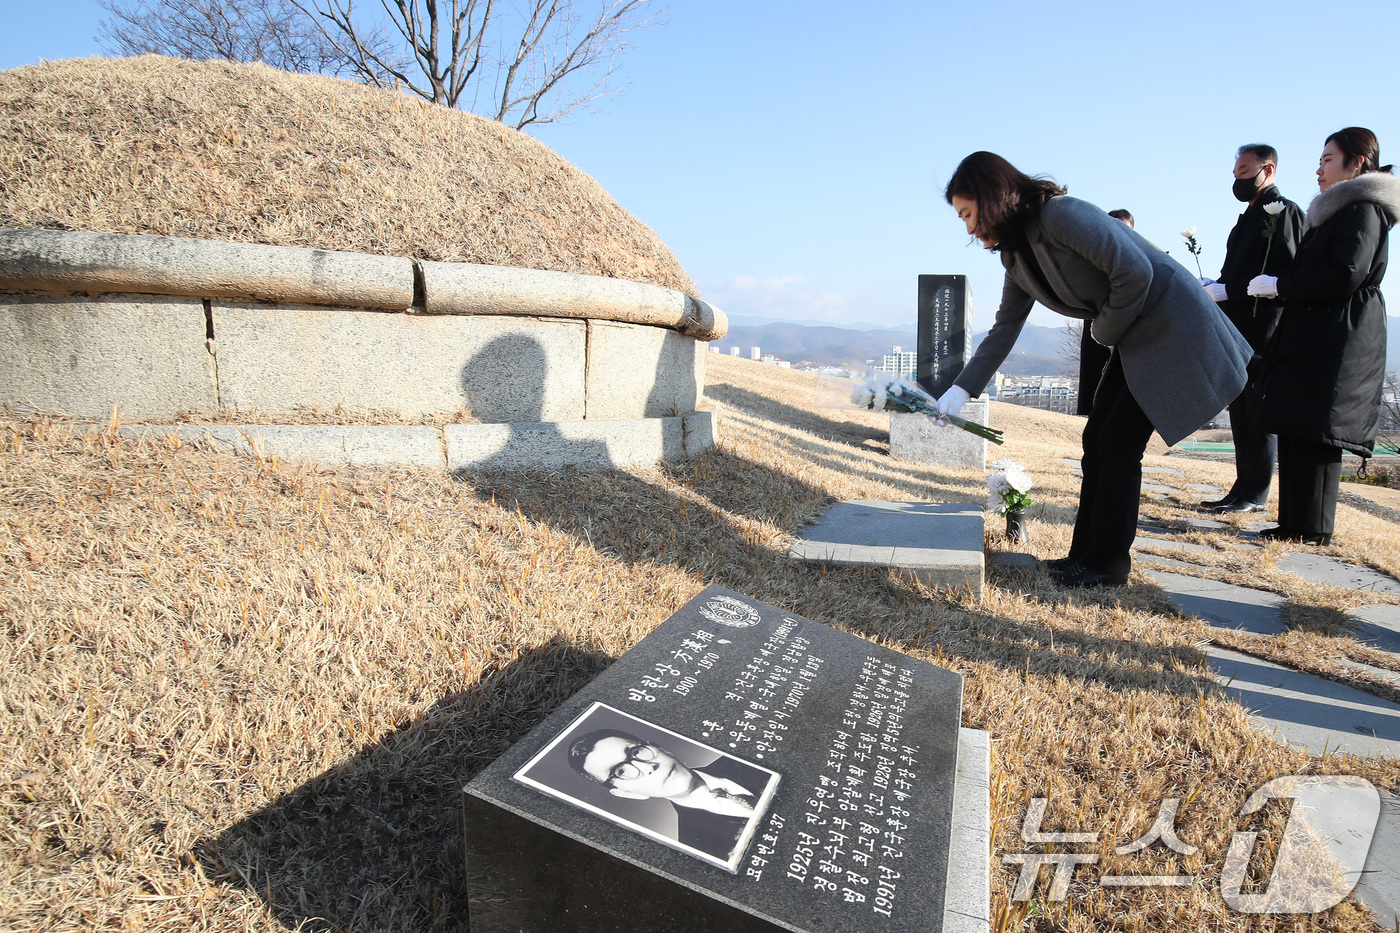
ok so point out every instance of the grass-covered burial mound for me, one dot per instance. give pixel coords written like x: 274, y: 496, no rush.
x: 251, y: 154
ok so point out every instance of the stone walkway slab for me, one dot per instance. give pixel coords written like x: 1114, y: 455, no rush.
x: 1379, y: 887
x: 1158, y: 487
x: 1203, y: 487
x: 940, y: 543
x: 1308, y: 711
x: 1224, y: 605
x: 1170, y: 471
x: 1379, y: 627
x: 1206, y: 524
x: 1157, y: 560
x: 1323, y: 569
x: 1167, y: 544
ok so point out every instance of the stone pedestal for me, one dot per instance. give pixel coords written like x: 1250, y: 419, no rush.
x: 921, y: 439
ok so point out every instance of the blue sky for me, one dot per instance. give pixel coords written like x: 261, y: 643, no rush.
x: 793, y: 155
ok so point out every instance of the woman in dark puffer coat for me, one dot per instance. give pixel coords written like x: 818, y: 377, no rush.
x: 1320, y: 382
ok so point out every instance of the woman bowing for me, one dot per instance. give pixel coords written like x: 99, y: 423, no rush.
x: 1176, y: 360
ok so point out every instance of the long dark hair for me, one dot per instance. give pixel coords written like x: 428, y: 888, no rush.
x: 1359, y: 144
x: 1006, y: 198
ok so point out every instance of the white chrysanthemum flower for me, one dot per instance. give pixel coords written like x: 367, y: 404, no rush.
x: 1274, y: 208
x: 1019, y: 480
x: 862, y: 397
x: 1004, y: 464
x: 997, y: 483
x: 996, y: 504
x: 1189, y: 232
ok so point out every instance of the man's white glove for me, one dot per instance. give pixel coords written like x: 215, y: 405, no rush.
x: 1216, y: 291
x: 1263, y: 286
x: 952, y: 401
x: 1205, y: 281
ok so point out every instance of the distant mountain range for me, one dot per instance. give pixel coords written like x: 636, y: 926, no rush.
x: 1039, y: 351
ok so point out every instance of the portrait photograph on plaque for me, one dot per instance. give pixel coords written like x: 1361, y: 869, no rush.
x: 665, y: 786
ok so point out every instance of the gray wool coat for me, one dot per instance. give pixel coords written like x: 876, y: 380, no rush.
x: 1183, y: 359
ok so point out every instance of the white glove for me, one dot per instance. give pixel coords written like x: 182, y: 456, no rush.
x: 952, y: 401
x: 1205, y: 281
x: 1263, y: 286
x: 1216, y: 291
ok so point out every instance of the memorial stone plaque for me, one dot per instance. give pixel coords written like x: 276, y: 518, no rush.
x: 740, y: 769
x: 943, y: 338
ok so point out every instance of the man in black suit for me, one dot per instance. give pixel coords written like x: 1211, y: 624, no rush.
x: 1255, y: 451
x: 712, y: 807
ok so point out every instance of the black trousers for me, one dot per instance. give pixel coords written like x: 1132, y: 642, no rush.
x: 1093, y: 357
x: 1255, y: 451
x: 1115, y: 438
x: 1308, y: 476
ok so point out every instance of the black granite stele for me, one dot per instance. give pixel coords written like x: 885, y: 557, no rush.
x: 943, y: 337
x: 832, y: 758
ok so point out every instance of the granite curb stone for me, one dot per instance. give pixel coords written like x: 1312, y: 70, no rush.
x: 337, y: 445
x: 84, y: 262
x: 468, y: 288
x: 967, y: 907
x: 585, y: 444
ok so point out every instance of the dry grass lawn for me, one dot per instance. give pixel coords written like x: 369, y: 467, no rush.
x: 250, y: 154
x: 244, y: 695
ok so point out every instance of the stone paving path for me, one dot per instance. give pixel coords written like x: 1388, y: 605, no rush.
x: 1297, y: 708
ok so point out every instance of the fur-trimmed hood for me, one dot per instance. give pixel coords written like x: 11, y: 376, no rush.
x: 1381, y: 187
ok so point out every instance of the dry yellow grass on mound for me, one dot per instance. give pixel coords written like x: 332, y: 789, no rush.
x: 251, y: 154
x: 244, y: 695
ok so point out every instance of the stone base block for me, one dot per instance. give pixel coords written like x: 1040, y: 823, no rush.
x: 503, y: 369
x: 588, y: 444
x: 941, y: 544
x: 921, y: 439
x: 77, y: 356
x: 642, y: 372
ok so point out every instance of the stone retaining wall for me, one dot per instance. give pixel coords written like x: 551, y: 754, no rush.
x: 161, y: 326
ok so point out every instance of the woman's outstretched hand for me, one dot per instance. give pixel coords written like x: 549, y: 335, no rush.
x: 1263, y: 286
x: 951, y: 402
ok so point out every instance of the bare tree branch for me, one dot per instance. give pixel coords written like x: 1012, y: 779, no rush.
x: 270, y: 31
x: 533, y: 57
x: 1388, y: 437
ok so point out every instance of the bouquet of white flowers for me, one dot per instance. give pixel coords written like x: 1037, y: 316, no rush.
x: 887, y: 392
x: 1007, y: 487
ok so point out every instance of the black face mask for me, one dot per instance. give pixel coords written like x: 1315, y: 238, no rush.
x: 1245, y: 189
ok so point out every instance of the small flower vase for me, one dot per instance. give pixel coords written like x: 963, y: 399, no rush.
x: 1016, y: 526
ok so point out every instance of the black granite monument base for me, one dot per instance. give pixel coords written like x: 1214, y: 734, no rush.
x: 740, y: 769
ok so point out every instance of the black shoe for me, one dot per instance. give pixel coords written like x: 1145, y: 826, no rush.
x: 1236, y: 505
x: 1214, y: 504
x: 1322, y: 539
x: 1059, y: 563
x: 1077, y: 576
